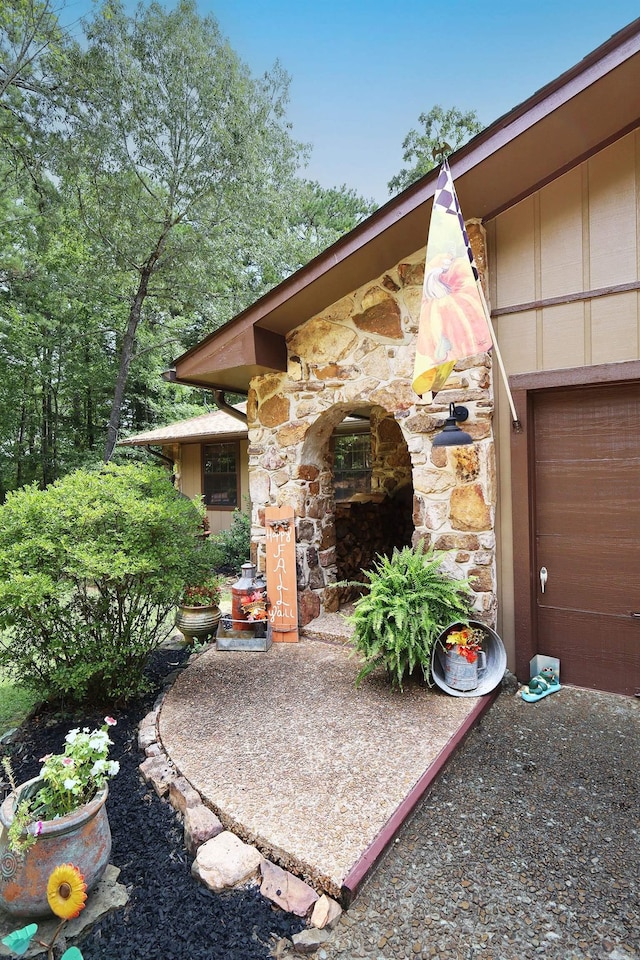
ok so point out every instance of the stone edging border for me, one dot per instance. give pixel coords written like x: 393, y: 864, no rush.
x: 221, y: 859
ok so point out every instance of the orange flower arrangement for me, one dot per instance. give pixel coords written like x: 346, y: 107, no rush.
x: 467, y: 641
x: 255, y: 606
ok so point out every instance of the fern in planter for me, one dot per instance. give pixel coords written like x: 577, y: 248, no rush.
x: 409, y: 604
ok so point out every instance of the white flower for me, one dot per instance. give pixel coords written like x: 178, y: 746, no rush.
x: 114, y: 766
x: 99, y: 741
x: 72, y: 735
x: 98, y: 768
x: 70, y: 783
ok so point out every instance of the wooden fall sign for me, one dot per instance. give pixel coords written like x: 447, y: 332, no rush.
x: 281, y: 574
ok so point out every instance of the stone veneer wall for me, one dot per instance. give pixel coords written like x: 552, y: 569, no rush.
x: 360, y: 351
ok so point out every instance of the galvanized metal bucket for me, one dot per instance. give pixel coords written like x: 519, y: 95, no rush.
x: 489, y: 675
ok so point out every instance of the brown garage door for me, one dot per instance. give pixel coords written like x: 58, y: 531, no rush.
x: 586, y: 526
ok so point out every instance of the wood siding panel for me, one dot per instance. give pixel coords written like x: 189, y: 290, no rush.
x: 516, y: 335
x: 515, y: 266
x: 244, y: 475
x: 613, y: 214
x: 563, y: 336
x: 219, y: 520
x: 561, y: 236
x: 615, y: 328
x: 191, y: 472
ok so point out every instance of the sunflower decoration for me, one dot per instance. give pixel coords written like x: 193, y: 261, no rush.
x: 66, y: 891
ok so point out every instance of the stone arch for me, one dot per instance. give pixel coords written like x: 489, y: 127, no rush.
x: 337, y: 539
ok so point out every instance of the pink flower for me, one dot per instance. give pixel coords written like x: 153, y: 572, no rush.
x: 46, y: 757
x: 67, y: 762
x: 38, y: 829
x: 110, y: 722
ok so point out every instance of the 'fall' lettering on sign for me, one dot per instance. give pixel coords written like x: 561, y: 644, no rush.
x: 281, y: 573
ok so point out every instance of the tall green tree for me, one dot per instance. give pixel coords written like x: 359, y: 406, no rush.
x: 177, y: 155
x: 32, y: 47
x: 443, y: 131
x: 29, y: 31
x: 54, y: 367
x: 150, y: 189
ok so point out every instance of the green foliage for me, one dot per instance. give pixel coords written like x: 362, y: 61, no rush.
x: 19, y: 835
x: 444, y: 131
x: 410, y: 602
x: 229, y: 549
x: 150, y: 191
x: 30, y: 35
x: 90, y: 569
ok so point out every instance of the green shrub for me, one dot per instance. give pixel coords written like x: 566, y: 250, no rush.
x: 229, y: 549
x: 409, y: 604
x: 90, y: 569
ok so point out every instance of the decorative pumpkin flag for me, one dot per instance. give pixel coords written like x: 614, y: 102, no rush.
x: 453, y: 323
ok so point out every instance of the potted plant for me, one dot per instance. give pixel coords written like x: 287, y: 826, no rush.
x: 58, y: 816
x: 198, y: 612
x: 464, y: 655
x: 409, y: 602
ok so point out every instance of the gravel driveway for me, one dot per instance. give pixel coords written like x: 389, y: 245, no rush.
x: 527, y: 845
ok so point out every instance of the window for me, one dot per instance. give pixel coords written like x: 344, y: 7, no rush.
x: 220, y: 466
x: 352, y: 465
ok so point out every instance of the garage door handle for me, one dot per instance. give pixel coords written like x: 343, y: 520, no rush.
x: 543, y: 578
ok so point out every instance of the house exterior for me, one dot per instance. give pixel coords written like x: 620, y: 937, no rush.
x: 551, y: 196
x: 207, y: 456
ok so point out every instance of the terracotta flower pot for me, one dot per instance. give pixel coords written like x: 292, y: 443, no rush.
x: 200, y: 622
x: 82, y: 838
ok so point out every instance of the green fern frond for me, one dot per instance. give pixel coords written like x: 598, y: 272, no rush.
x: 410, y: 602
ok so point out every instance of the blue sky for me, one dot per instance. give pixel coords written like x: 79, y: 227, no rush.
x: 362, y: 71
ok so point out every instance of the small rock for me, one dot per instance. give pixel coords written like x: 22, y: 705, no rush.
x: 147, y: 734
x: 308, y: 941
x: 153, y: 750
x: 200, y: 825
x: 159, y: 772
x: 288, y: 892
x: 225, y: 861
x: 326, y: 913
x: 509, y: 682
x: 182, y: 795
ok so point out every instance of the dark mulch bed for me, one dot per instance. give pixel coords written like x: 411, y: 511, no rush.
x: 169, y: 914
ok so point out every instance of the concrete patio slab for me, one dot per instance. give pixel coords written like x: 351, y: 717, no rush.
x: 292, y: 758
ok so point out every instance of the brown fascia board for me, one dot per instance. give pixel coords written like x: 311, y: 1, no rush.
x: 234, y: 347
x: 559, y: 126
x: 195, y: 438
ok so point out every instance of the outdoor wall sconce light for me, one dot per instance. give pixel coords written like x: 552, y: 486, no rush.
x: 452, y: 435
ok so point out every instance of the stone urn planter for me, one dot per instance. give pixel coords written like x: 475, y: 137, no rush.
x: 197, y: 622
x: 82, y: 837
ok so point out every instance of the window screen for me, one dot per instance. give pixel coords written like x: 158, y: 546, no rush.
x: 221, y: 469
x: 352, y: 465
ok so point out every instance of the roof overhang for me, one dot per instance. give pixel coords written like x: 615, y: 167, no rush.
x: 215, y: 425
x: 575, y: 116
